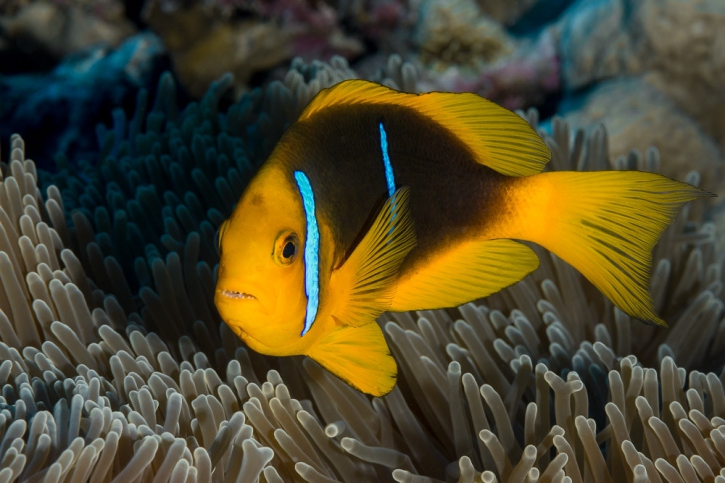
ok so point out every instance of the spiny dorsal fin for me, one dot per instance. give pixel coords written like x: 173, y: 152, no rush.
x: 498, y: 138
x: 358, y: 356
x: 364, y: 285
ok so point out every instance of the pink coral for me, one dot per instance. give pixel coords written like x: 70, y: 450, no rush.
x: 313, y: 28
x: 524, y: 79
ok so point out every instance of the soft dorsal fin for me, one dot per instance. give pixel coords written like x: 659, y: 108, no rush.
x: 464, y: 272
x: 498, y: 138
x: 364, y: 285
x: 358, y: 356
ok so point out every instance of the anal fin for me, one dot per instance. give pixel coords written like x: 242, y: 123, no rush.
x: 359, y: 356
x: 466, y: 272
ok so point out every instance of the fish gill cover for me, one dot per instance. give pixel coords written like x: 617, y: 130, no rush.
x: 114, y: 365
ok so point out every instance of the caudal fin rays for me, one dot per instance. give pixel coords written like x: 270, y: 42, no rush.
x: 605, y: 224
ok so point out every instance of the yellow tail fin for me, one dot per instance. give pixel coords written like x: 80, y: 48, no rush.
x: 604, y: 223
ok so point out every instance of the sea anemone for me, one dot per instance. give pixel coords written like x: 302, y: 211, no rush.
x: 458, y: 32
x: 106, y: 309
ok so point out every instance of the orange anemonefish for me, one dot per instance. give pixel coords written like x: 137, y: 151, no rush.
x: 377, y: 200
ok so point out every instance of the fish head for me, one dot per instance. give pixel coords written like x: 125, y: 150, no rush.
x: 260, y: 290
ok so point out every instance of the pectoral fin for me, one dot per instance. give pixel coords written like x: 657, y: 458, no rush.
x: 365, y: 284
x: 463, y: 273
x: 359, y: 356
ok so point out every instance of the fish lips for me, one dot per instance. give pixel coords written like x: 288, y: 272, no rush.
x: 234, y: 294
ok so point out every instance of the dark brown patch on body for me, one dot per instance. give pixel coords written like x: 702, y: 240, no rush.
x: 452, y: 197
x: 256, y: 200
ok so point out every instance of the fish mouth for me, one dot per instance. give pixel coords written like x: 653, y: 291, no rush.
x: 232, y: 294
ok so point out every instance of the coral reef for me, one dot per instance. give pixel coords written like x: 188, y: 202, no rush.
x: 60, y: 28
x: 507, y: 13
x: 458, y: 33
x: 205, y: 44
x: 463, y: 49
x: 669, y: 46
x: 523, y: 78
x: 106, y: 306
x: 675, y: 39
x: 638, y: 115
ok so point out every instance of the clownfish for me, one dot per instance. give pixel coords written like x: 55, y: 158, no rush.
x: 376, y: 200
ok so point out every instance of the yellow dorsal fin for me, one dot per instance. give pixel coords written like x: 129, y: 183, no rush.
x: 466, y: 272
x: 363, y: 287
x: 359, y: 356
x: 498, y: 138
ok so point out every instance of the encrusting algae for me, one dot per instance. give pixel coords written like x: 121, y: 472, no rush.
x: 545, y: 381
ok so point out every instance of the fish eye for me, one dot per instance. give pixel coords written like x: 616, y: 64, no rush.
x: 286, y: 248
x: 289, y: 249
